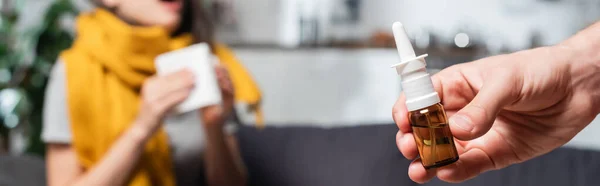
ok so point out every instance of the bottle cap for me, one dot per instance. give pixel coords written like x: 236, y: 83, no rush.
x: 416, y: 82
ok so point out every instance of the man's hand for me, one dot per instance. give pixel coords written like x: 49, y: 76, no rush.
x: 507, y: 109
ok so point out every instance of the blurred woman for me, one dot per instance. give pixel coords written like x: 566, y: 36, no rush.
x: 104, y: 110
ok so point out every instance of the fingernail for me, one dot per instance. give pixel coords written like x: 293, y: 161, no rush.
x: 413, y: 167
x: 398, y: 116
x: 462, y: 122
x: 399, y: 137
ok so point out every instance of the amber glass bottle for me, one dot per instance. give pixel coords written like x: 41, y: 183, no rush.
x: 433, y: 137
x: 427, y: 116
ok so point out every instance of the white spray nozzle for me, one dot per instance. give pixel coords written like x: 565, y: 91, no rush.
x: 403, y: 44
x: 416, y: 83
x: 406, y: 51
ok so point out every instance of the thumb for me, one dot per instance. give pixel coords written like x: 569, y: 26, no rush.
x: 476, y: 119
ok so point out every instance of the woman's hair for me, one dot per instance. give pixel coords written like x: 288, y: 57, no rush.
x: 194, y: 20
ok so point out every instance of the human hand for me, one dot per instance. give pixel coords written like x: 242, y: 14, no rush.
x: 507, y: 109
x: 217, y: 114
x: 160, y: 94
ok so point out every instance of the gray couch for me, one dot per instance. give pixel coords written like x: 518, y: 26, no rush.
x: 351, y: 156
x: 367, y: 155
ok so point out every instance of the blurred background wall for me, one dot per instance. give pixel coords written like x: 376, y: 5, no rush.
x: 510, y: 24
x: 326, y: 62
x: 498, y: 24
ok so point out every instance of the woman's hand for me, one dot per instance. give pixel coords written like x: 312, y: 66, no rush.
x: 508, y: 109
x: 224, y: 165
x: 217, y: 114
x: 159, y: 95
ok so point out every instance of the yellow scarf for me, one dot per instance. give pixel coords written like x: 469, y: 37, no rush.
x: 105, y: 69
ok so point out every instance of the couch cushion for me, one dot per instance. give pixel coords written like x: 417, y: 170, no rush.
x: 367, y: 155
x: 22, y: 170
x: 314, y: 156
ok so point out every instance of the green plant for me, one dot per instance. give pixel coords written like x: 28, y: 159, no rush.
x: 26, y: 57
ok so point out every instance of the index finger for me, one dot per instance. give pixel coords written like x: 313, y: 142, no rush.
x: 400, y: 115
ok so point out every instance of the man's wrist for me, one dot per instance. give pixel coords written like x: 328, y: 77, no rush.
x: 583, y: 60
x: 594, y: 84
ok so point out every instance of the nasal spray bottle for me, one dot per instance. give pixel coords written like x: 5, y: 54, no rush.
x: 426, y: 114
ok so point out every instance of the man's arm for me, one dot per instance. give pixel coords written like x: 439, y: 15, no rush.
x: 583, y: 52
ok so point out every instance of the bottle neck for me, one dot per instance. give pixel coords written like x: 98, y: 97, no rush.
x: 419, y: 90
